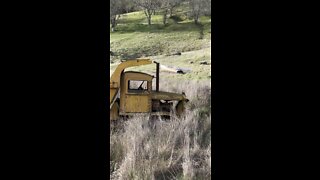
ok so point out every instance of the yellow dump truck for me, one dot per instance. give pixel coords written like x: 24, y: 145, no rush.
x: 131, y: 93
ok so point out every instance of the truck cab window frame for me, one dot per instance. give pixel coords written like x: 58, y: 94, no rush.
x: 137, y: 86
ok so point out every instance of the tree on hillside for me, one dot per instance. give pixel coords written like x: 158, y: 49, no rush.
x: 198, y: 8
x: 149, y: 7
x: 129, y: 6
x: 168, y: 6
x: 117, y: 7
x: 173, y: 4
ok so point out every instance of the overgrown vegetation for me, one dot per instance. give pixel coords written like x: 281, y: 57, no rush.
x: 171, y: 149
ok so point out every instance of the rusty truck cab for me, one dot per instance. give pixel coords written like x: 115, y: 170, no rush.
x: 136, y: 93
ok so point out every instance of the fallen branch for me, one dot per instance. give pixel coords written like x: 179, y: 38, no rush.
x: 174, y: 69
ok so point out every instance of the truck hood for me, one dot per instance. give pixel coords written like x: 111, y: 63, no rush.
x: 168, y: 96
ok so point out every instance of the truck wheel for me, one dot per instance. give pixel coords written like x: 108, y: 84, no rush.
x: 180, y: 108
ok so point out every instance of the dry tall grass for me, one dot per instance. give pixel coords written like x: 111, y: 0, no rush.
x: 174, y: 149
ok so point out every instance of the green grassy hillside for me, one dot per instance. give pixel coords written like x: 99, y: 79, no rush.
x: 133, y: 38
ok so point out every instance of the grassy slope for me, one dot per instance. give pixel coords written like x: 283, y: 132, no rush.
x: 134, y: 38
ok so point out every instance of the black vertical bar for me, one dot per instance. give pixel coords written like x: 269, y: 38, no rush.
x: 157, y: 77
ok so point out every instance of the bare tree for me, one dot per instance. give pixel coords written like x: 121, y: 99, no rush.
x: 207, y: 10
x: 117, y: 7
x: 149, y: 7
x: 173, y: 4
x: 129, y: 6
x: 165, y: 16
x: 168, y: 6
x: 198, y: 8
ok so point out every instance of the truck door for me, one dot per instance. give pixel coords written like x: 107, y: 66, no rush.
x: 137, y: 97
